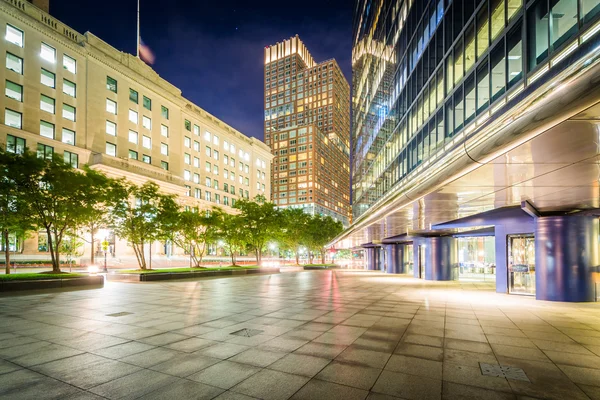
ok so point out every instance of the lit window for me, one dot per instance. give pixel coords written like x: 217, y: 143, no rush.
x: 15, y: 144
x: 14, y: 35
x: 47, y: 129
x: 164, y: 130
x: 215, y: 169
x: 196, y: 145
x: 133, y: 137
x: 48, y: 53
x: 232, y: 148
x: 196, y: 178
x: 111, y: 128
x: 133, y: 155
x: 187, y: 142
x: 14, y: 91
x: 45, y: 151
x: 69, y: 88
x: 187, y: 175
x: 147, y: 103
x: 68, y: 112
x: 207, y: 136
x: 48, y: 78
x: 207, y: 166
x: 164, y: 111
x: 47, y: 104
x: 146, y: 142
x: 111, y: 106
x: 13, y: 119
x: 196, y: 162
x: 196, y: 130
x: 147, y: 159
x: 215, y: 154
x: 14, y: 63
x: 72, y: 159
x: 133, y: 95
x: 69, y: 64
x: 111, y: 149
x: 226, y: 145
x: 216, y: 140
x: 208, y: 182
x: 187, y: 158
x: 133, y: 116
x: 208, y: 151
x: 146, y: 122
x: 164, y: 165
x: 68, y: 136
x: 111, y: 84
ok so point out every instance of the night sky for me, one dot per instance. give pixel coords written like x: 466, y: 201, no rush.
x: 213, y: 49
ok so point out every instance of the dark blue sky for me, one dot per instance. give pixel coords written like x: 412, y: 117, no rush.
x: 213, y: 49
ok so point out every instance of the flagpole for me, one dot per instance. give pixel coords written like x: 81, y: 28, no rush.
x: 137, y: 44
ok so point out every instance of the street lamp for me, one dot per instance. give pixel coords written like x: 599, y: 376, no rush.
x: 104, y: 234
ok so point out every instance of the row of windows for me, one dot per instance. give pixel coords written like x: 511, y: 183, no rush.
x: 208, y: 196
x: 15, y: 144
x: 14, y: 119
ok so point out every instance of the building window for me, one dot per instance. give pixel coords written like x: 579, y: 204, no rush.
x: 514, y: 45
x: 13, y: 118
x: 164, y: 149
x: 15, y: 144
x: 196, y: 145
x: 215, y: 169
x: 111, y: 128
x: 133, y: 137
x: 164, y: 131
x: 14, y: 63
x: 537, y: 35
x: 68, y: 136
x: 47, y: 129
x: 187, y: 175
x: 187, y: 159
x: 69, y: 64
x: 147, y: 159
x: 196, y: 130
x: 187, y: 142
x: 133, y: 154
x: 72, y: 159
x: 207, y: 136
x: 188, y: 125
x: 196, y: 178
x: 146, y: 122
x: 215, y: 140
x: 164, y: 165
x: 217, y: 198
x: 147, y: 103
x: 44, y: 151
x: 564, y: 21
x: 68, y: 112
x: 133, y: 95
x: 48, y: 78
x: 198, y: 193
x: 146, y: 142
x: 111, y: 84
x: 14, y: 91
x: 14, y: 35
x: 48, y: 53
x: 164, y: 111
x: 69, y: 88
x: 208, y: 151
x: 589, y: 9
x: 196, y: 162
x: 133, y: 116
x: 111, y: 106
x: 215, y: 154
x: 47, y: 104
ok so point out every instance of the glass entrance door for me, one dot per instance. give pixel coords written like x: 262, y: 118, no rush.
x: 409, y: 261
x: 421, y: 250
x: 521, y: 264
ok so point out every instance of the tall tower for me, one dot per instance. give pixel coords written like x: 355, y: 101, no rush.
x: 307, y: 126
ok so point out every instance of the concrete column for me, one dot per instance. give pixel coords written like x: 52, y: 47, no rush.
x: 441, y: 258
x: 378, y: 260
x: 395, y: 264
x: 370, y: 258
x: 566, y: 255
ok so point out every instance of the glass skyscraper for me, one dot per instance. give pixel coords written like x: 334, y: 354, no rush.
x: 476, y: 118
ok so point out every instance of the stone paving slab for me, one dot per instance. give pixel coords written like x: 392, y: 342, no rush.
x: 315, y: 335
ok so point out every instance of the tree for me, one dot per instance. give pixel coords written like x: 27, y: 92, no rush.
x: 230, y: 229
x: 320, y: 231
x: 59, y: 197
x: 145, y: 216
x: 193, y: 231
x: 71, y: 247
x: 293, y: 232
x: 15, y: 217
x: 260, y: 222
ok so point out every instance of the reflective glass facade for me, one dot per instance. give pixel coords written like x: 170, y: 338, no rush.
x: 428, y: 73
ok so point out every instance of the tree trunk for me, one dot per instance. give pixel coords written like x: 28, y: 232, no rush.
x: 150, y: 254
x: 322, y: 257
x: 232, y: 253
x: 6, y: 251
x: 93, y: 252
x: 53, y: 253
x: 297, y: 256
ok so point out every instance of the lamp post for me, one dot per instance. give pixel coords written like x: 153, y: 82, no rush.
x: 104, y: 234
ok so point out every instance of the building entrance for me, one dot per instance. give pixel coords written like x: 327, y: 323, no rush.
x: 521, y: 264
x: 409, y: 260
x: 477, y: 258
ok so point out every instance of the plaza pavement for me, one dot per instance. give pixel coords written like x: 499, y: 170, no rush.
x: 300, y: 335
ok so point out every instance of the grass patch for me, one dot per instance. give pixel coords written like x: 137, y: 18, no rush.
x: 176, y: 270
x: 39, y: 276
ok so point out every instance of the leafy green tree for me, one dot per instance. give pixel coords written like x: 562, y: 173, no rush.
x: 230, y: 229
x: 293, y: 229
x: 260, y: 222
x: 59, y: 197
x: 71, y: 247
x: 194, y: 231
x: 15, y: 216
x: 320, y: 231
x: 146, y: 216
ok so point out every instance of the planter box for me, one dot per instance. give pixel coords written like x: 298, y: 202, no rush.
x: 38, y: 284
x: 159, y: 276
x: 319, y: 267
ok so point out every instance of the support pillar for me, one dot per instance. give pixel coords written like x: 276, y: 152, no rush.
x: 441, y: 258
x: 566, y: 256
x: 370, y: 258
x: 395, y: 259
